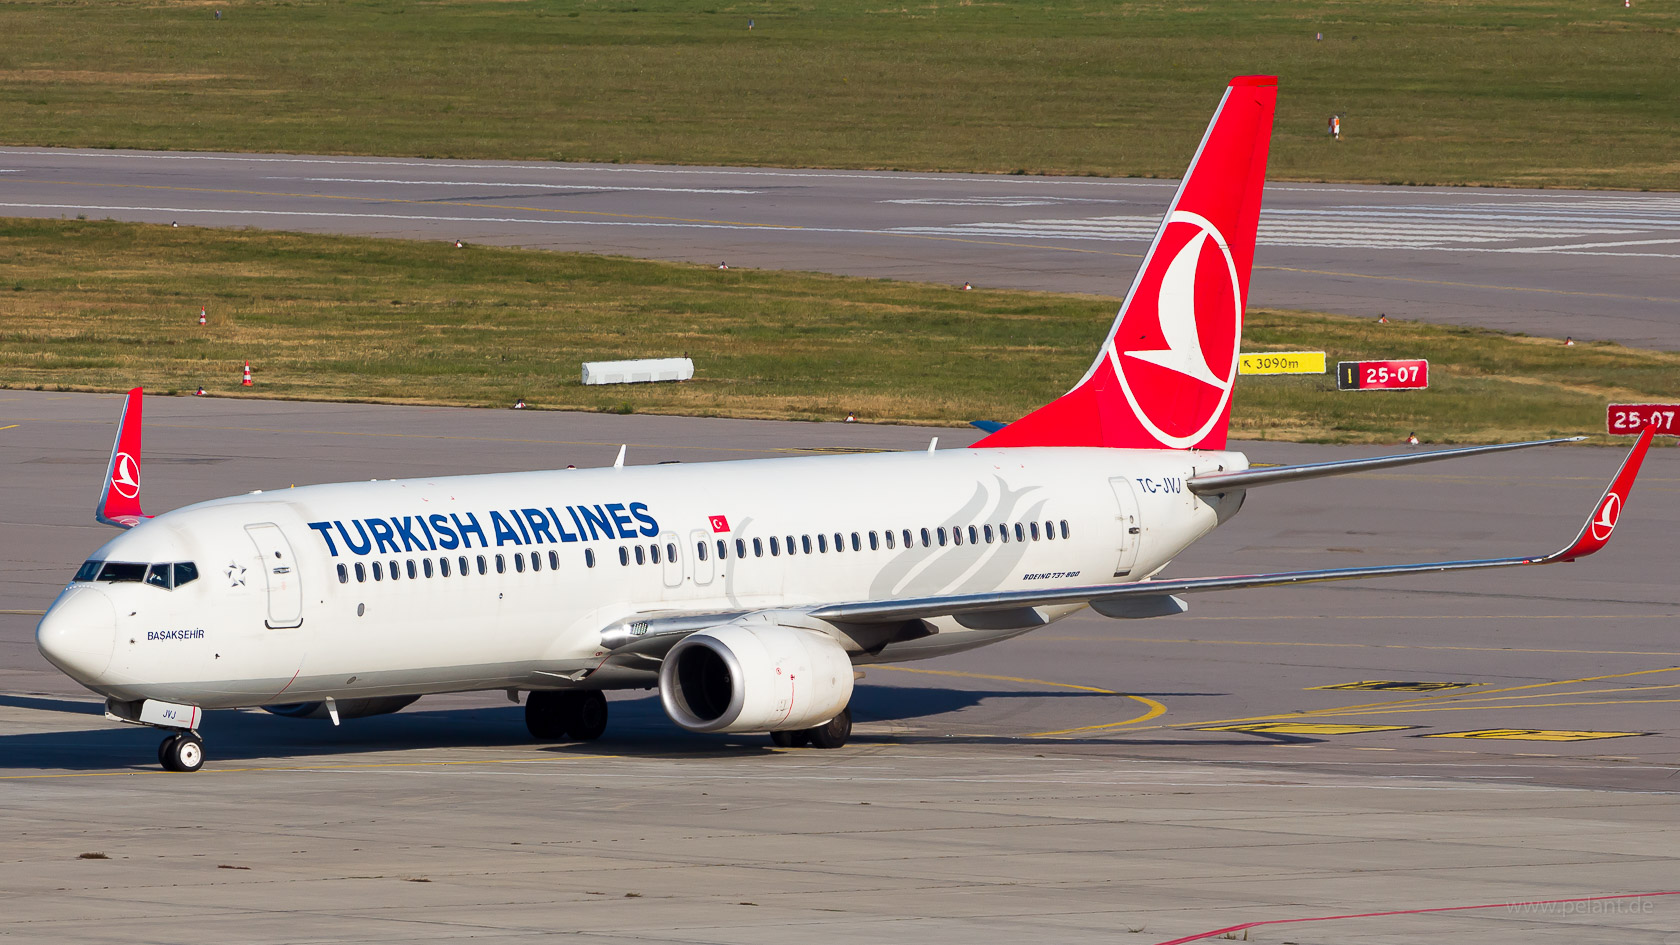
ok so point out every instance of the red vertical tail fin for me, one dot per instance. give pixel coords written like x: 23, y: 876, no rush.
x: 1164, y: 375
x: 119, y: 500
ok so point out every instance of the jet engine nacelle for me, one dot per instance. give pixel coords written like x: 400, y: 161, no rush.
x: 755, y: 677
x: 347, y: 708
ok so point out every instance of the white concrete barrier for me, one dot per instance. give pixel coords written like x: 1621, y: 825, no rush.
x: 638, y: 372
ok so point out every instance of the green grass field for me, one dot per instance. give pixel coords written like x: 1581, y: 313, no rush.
x: 106, y: 306
x: 1526, y: 92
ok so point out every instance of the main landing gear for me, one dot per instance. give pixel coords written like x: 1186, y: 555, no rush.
x: 182, y: 752
x: 551, y: 715
x: 830, y: 734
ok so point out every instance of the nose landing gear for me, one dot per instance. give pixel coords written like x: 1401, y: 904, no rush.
x: 182, y: 752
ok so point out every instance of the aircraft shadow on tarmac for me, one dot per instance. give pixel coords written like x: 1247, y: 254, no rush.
x: 639, y: 727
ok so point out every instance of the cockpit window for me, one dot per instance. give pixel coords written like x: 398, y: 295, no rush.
x: 122, y: 571
x: 165, y: 576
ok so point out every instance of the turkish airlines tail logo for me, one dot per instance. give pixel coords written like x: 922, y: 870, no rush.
x: 1164, y: 374
x: 119, y: 500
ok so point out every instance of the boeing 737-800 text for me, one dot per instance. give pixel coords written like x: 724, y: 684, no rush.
x: 746, y: 591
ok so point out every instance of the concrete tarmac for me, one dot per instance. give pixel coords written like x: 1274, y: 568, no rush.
x: 1592, y: 265
x: 1097, y: 781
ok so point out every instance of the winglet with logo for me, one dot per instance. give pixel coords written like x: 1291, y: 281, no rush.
x: 119, y: 500
x: 1596, y: 533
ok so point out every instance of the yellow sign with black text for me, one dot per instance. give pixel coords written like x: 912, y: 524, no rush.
x: 1281, y: 362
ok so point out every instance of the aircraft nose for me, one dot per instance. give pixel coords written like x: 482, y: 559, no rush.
x: 79, y: 634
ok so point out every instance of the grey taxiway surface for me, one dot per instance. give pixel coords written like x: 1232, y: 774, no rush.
x: 1092, y: 782
x: 1592, y: 265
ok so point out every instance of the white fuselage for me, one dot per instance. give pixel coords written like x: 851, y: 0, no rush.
x: 286, y: 606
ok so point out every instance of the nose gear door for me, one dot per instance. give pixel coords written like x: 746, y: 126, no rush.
x: 285, y: 591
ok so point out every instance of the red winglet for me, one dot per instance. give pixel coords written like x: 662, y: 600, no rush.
x: 1596, y: 533
x: 119, y: 500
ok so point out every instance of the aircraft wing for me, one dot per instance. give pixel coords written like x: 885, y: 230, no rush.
x: 1215, y: 483
x: 648, y: 636
x: 1595, y: 534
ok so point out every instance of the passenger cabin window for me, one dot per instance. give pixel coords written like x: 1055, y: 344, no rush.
x: 378, y: 575
x: 623, y: 556
x: 554, y: 560
x: 857, y: 542
x: 343, y: 574
x: 839, y: 542
x: 988, y: 532
x: 758, y: 548
x: 973, y: 535
x: 536, y: 561
x: 908, y: 543
x: 361, y: 573
x: 482, y: 566
x: 775, y: 547
x: 723, y: 550
x: 822, y: 544
x: 443, y: 567
x: 396, y: 571
x: 740, y: 547
x: 699, y: 551
x: 501, y: 564
x: 874, y: 542
x: 1035, y: 531
x: 941, y: 531
x: 1020, y: 533
x: 1003, y: 534
x: 641, y: 555
x: 671, y: 552
x: 589, y: 557
x: 805, y: 542
x: 889, y: 537
x: 426, y: 566
x: 927, y: 538
x: 1064, y: 528
x: 653, y: 553
x: 411, y: 569
x: 462, y: 561
x: 518, y: 563
x: 956, y: 535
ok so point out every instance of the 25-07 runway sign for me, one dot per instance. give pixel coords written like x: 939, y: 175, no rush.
x: 1632, y: 419
x: 1382, y: 375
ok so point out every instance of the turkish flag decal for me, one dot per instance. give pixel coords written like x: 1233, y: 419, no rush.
x: 720, y: 523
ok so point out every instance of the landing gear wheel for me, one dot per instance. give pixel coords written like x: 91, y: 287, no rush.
x: 589, y: 716
x: 163, y: 749
x: 182, y: 753
x: 547, y: 713
x: 834, y: 732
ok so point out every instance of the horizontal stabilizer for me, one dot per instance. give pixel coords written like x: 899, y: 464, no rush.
x: 1215, y: 483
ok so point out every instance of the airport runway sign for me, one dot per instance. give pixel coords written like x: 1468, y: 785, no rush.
x: 1281, y: 362
x: 1632, y: 419
x: 1382, y: 375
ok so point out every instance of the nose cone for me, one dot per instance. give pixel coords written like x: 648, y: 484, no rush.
x: 79, y: 634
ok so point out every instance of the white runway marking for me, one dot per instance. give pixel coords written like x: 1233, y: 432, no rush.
x: 1474, y: 227
x: 486, y: 183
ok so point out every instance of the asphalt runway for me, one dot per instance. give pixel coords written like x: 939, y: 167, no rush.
x: 1591, y: 265
x: 1098, y: 781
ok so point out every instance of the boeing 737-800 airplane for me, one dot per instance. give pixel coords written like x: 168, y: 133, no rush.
x: 746, y: 591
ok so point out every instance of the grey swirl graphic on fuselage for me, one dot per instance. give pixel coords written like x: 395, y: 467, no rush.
x: 918, y: 571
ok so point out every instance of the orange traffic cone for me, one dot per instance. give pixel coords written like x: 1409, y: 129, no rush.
x: 1569, y: 342
x: 1382, y: 319
x: 247, y: 381
x: 519, y: 404
x: 203, y: 316
x: 1412, y: 440
x: 200, y: 393
x: 457, y: 244
x: 967, y: 286
x: 723, y: 265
